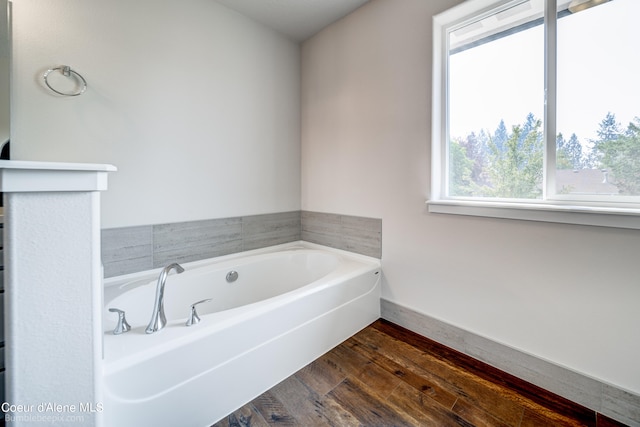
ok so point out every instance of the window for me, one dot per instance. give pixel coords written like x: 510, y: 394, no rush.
x: 536, y: 112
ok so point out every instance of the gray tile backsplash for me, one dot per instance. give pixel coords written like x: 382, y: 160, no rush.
x: 259, y: 231
x: 132, y: 249
x: 127, y: 250
x: 351, y: 233
x: 196, y: 240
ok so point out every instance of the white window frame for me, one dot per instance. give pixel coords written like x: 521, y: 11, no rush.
x: 621, y: 215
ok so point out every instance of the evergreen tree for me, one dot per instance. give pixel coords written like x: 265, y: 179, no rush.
x: 574, y: 152
x: 516, y: 170
x: 562, y: 157
x: 500, y: 137
x: 608, y: 130
x: 568, y: 153
x: 621, y: 156
x: 560, y: 142
x: 528, y: 126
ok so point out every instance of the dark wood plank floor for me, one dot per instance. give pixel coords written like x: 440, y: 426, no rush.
x: 388, y: 376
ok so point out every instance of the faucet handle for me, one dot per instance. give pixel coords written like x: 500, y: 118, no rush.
x: 122, y: 325
x: 193, y: 315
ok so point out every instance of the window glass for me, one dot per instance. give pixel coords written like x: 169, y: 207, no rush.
x: 496, y: 105
x: 598, y: 140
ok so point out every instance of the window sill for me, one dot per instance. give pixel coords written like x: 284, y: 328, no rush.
x: 565, y: 214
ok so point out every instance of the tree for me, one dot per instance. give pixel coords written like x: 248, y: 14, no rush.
x: 562, y: 157
x: 568, y: 153
x: 476, y: 149
x: 460, y: 167
x: 621, y: 156
x: 574, y: 152
x: 500, y: 136
x: 516, y: 170
x: 608, y: 130
x: 528, y: 126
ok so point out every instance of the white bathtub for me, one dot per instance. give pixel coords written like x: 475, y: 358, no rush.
x: 290, y: 304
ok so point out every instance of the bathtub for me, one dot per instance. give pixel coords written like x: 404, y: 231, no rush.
x: 289, y: 305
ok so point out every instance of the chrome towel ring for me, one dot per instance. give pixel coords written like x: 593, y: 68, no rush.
x: 67, y: 72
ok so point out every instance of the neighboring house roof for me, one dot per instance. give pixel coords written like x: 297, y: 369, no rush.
x: 585, y: 181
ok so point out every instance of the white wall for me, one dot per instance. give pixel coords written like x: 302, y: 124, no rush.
x: 196, y: 105
x: 568, y: 294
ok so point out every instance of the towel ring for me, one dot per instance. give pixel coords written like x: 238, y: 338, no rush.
x: 66, y: 71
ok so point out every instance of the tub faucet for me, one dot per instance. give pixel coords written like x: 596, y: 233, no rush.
x: 158, y: 319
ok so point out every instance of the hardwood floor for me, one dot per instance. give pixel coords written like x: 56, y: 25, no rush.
x: 388, y: 376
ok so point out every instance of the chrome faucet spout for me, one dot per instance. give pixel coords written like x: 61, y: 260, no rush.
x: 158, y: 319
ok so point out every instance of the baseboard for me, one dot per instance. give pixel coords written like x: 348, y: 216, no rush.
x: 603, y: 398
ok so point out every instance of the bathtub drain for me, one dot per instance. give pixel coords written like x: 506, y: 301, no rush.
x: 232, y: 276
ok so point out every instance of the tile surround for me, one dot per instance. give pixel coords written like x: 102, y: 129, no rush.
x: 196, y: 240
x: 351, y: 233
x: 127, y: 250
x: 132, y: 249
x: 259, y: 231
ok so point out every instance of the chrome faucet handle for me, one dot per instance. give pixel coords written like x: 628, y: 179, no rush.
x: 122, y: 325
x: 193, y: 315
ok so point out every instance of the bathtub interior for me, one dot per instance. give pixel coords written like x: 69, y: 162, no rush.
x: 259, y: 277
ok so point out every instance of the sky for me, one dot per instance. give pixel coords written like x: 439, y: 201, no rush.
x: 598, y: 72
